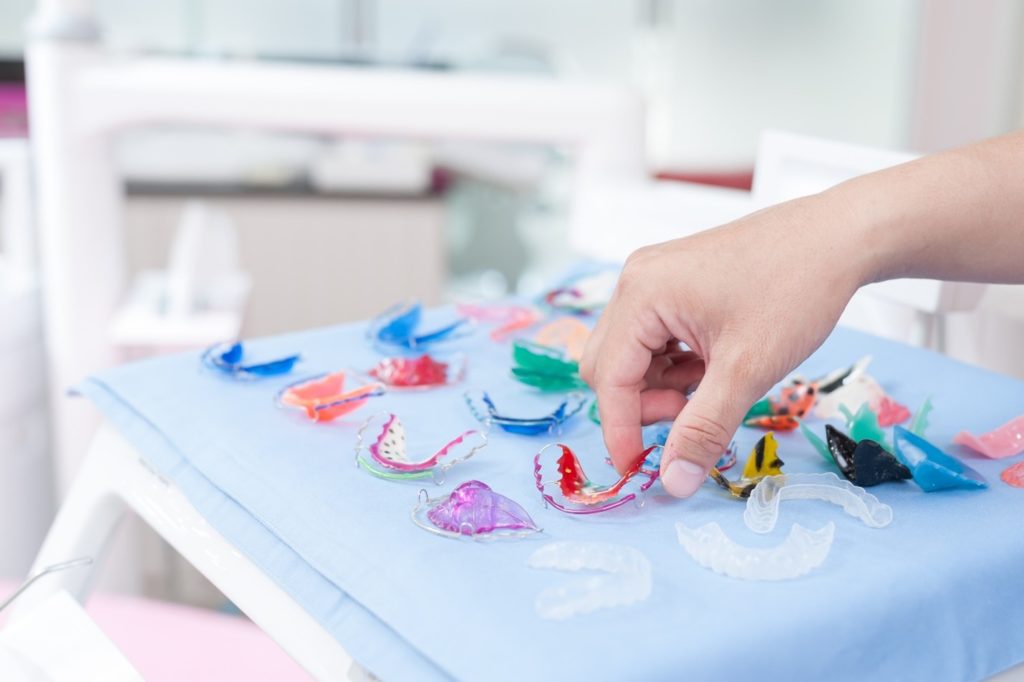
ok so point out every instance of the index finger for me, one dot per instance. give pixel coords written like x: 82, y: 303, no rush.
x: 621, y: 364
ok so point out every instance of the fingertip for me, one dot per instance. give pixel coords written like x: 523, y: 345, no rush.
x: 624, y: 445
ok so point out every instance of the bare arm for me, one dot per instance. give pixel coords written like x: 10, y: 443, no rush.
x: 955, y: 216
x: 754, y: 298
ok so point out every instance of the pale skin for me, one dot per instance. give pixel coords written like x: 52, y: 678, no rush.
x: 752, y: 299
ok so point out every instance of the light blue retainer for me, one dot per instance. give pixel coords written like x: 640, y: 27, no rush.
x: 932, y: 468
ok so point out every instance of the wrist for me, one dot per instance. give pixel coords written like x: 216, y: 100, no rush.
x: 862, y: 225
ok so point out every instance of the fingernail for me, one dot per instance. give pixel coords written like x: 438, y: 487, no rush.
x: 683, y: 477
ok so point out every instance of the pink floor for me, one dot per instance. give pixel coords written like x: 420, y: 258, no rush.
x: 168, y: 642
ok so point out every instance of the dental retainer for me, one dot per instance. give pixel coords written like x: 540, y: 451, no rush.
x: 762, y: 461
x: 762, y: 511
x: 508, y: 319
x: 1004, y: 441
x: 579, y: 495
x: 584, y: 294
x: 483, y: 408
x: 800, y: 553
x: 420, y: 372
x: 566, y: 333
x: 228, y: 359
x: 323, y: 397
x: 474, y: 511
x: 388, y: 457
x: 624, y: 579
x: 397, y: 330
x: 546, y: 369
x: 932, y: 468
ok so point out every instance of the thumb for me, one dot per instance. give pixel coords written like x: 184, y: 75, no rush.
x: 703, y: 430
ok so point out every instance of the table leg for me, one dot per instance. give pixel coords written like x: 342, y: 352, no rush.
x: 113, y: 479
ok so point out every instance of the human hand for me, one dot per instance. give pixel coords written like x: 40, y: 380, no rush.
x: 750, y: 300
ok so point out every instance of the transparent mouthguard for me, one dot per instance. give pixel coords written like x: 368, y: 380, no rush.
x: 762, y: 510
x: 800, y: 553
x: 624, y: 578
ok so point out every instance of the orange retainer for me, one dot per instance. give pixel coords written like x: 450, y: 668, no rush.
x: 325, y: 398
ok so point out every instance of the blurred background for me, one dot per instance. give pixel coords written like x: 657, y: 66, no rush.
x: 178, y: 172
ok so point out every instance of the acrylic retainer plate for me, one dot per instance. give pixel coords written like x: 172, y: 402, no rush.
x: 800, y: 553
x: 762, y: 511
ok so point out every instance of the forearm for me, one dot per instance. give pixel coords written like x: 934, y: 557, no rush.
x: 958, y: 215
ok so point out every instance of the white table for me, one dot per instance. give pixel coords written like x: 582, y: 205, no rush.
x: 114, y: 479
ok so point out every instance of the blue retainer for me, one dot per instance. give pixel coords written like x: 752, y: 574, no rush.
x: 396, y: 328
x: 526, y: 426
x: 229, y: 363
x: 932, y: 468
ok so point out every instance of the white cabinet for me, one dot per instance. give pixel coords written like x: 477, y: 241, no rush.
x: 313, y: 260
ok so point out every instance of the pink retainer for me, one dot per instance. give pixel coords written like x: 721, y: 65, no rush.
x: 1005, y: 441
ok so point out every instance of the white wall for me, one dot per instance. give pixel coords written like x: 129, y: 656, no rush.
x: 833, y: 68
x: 302, y: 27
x: 969, y: 72
x: 727, y: 69
x: 13, y: 14
x: 299, y: 27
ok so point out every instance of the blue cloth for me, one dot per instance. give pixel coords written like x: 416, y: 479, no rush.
x: 935, y: 596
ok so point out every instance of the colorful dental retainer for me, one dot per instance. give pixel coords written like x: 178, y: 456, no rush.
x: 423, y: 372
x: 474, y: 511
x: 932, y: 468
x: 397, y: 330
x: 508, y: 319
x: 579, y: 495
x: 229, y: 359
x: 323, y: 397
x: 653, y: 462
x: 865, y: 463
x: 763, y: 461
x: 866, y: 450
x: 1013, y: 475
x: 890, y: 412
x: 864, y: 424
x: 863, y: 392
x: 835, y: 380
x: 583, y: 295
x: 783, y: 413
x: 388, y: 452
x: 799, y: 397
x: 859, y: 388
x: 545, y: 368
x: 565, y: 333
x: 657, y: 434
x: 1004, y: 441
x: 483, y: 408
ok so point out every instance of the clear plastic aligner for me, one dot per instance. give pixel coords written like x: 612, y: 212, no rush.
x: 800, y: 553
x: 762, y: 510
x: 625, y: 578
